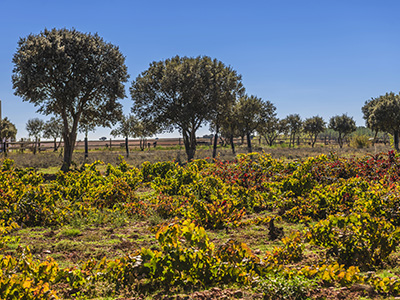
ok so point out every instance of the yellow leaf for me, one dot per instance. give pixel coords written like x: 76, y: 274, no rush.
x: 27, y: 284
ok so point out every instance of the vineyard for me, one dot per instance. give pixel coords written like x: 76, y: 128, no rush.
x: 325, y: 227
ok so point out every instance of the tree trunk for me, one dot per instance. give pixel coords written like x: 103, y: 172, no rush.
x: 340, y: 141
x: 55, y: 145
x: 141, y: 143
x: 232, y: 144
x: 69, y: 144
x: 266, y: 140
x: 68, y: 149
x: 214, y: 154
x: 396, y: 140
x: 189, y: 140
x: 313, y: 140
x: 270, y: 139
x: 86, y: 148
x: 249, y: 149
x: 35, y: 146
x: 5, y: 148
x: 126, y: 147
x: 59, y: 144
x: 374, y: 140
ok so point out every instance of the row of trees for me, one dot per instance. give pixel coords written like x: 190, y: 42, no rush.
x: 254, y: 116
x: 78, y: 78
x: 52, y: 129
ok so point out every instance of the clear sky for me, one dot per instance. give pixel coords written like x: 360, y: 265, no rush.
x: 322, y: 57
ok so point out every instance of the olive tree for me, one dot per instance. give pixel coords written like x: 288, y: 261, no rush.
x: 383, y: 114
x: 125, y: 129
x: 293, y: 127
x: 53, y: 129
x: 8, y: 131
x: 372, y: 123
x: 184, y: 93
x: 251, y: 112
x: 313, y: 127
x: 72, y: 75
x: 35, y: 127
x: 270, y: 126
x: 343, y: 125
x: 230, y: 127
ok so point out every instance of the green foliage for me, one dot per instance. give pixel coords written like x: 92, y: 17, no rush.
x: 291, y: 252
x: 354, y: 201
x: 359, y: 141
x: 251, y: 113
x: 382, y: 114
x: 293, y: 126
x: 330, y: 274
x: 217, y: 215
x: 22, y: 277
x: 160, y: 169
x: 313, y: 126
x: 53, y: 129
x: 356, y: 239
x: 344, y: 125
x: 7, y: 129
x: 93, y: 72
x: 281, y: 288
x: 183, y: 93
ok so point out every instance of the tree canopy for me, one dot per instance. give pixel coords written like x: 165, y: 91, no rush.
x: 53, y: 129
x: 184, y: 93
x: 251, y: 113
x: 383, y: 114
x: 270, y: 126
x: 72, y: 75
x: 294, y: 125
x: 35, y: 128
x: 7, y: 129
x: 344, y: 125
x: 313, y: 127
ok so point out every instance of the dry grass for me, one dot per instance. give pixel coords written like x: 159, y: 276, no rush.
x: 50, y: 161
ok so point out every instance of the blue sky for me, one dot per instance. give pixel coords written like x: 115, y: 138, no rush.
x: 324, y: 57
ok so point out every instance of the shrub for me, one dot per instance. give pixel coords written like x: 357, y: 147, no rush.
x: 277, y: 287
x: 356, y: 239
x: 359, y: 141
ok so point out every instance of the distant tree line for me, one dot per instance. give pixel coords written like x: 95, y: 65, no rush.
x: 78, y: 78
